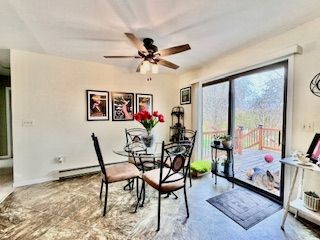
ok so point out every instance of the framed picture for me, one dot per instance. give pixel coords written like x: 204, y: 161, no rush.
x: 144, y: 102
x: 314, y: 149
x: 97, y: 105
x: 122, y: 106
x: 185, y: 95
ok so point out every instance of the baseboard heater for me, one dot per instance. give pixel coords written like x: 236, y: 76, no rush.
x: 81, y: 171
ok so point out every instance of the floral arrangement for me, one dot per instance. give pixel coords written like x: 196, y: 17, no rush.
x: 148, y: 120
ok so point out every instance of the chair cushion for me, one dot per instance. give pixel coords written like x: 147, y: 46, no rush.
x: 152, y: 178
x: 121, y: 171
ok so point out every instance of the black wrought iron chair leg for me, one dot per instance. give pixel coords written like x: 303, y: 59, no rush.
x: 105, y: 200
x: 168, y: 194
x: 137, y: 183
x: 176, y: 197
x: 190, y: 176
x: 186, y: 201
x: 144, y: 192
x: 159, y: 208
x: 127, y: 186
x: 132, y: 184
x: 138, y: 196
x: 101, y: 188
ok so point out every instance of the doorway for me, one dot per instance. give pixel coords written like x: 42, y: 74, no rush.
x: 251, y: 107
x: 6, y: 155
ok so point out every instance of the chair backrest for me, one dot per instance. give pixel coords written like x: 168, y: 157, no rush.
x: 144, y: 161
x: 134, y: 134
x: 99, y: 155
x: 188, y: 134
x: 177, y: 155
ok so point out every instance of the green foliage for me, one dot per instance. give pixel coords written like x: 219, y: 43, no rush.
x: 225, y: 137
x: 201, y: 166
x: 312, y: 194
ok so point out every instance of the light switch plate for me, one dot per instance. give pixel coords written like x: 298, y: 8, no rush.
x: 28, y: 123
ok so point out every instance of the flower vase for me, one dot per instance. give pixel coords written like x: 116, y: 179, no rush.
x: 147, y: 139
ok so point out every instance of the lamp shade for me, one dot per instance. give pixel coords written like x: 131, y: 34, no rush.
x: 154, y: 68
x: 146, y: 65
x: 142, y: 69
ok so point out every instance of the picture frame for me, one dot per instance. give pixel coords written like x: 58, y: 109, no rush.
x: 185, y: 95
x: 144, y: 101
x: 122, y: 106
x: 97, y: 105
x: 314, y: 149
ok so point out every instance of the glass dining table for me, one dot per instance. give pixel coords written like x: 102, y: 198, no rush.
x: 133, y: 153
x: 134, y: 149
x: 136, y: 152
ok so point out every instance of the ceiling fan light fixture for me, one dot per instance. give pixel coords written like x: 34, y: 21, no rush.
x: 146, y: 65
x: 154, y: 68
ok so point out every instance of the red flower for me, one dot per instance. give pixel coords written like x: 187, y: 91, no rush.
x: 161, y: 118
x: 137, y: 117
x: 148, y: 120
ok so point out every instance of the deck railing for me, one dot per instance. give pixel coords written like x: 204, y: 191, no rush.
x: 260, y: 138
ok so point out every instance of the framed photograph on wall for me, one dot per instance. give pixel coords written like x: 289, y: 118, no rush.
x: 144, y: 102
x: 185, y: 95
x: 314, y: 149
x: 97, y: 105
x: 122, y: 106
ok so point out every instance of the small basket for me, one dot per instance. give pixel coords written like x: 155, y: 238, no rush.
x: 311, y: 203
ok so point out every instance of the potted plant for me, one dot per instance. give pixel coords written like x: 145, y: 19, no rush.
x: 148, y: 121
x: 226, y: 140
x: 216, y: 140
x: 311, y: 200
x: 227, y: 167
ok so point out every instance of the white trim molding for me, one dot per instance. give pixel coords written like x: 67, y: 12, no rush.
x: 269, y: 59
x: 33, y: 181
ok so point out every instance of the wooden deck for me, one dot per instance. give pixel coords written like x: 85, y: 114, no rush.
x: 251, y: 158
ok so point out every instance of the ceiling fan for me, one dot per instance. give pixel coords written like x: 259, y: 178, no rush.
x: 151, y: 55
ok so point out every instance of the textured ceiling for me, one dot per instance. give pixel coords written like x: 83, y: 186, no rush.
x: 89, y: 29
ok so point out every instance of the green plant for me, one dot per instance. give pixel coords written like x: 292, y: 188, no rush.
x: 202, y: 166
x: 225, y: 137
x: 312, y: 194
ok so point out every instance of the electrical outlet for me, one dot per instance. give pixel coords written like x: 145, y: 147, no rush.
x: 308, y: 126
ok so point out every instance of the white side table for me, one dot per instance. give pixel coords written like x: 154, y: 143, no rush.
x: 298, y: 203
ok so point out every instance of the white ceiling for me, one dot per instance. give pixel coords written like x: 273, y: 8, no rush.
x: 89, y: 29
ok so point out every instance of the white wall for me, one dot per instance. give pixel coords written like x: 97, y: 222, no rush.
x: 306, y: 106
x: 52, y: 92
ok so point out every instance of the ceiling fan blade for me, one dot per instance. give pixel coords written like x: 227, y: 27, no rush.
x: 173, y: 50
x: 137, y: 42
x: 121, y: 56
x: 167, y: 64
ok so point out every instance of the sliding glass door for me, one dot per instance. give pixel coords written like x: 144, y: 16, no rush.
x: 251, y: 106
x: 258, y: 113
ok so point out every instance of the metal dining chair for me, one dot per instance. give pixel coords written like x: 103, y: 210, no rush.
x: 133, y: 135
x: 114, y: 173
x: 186, y: 136
x: 173, y: 178
x: 189, y: 135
